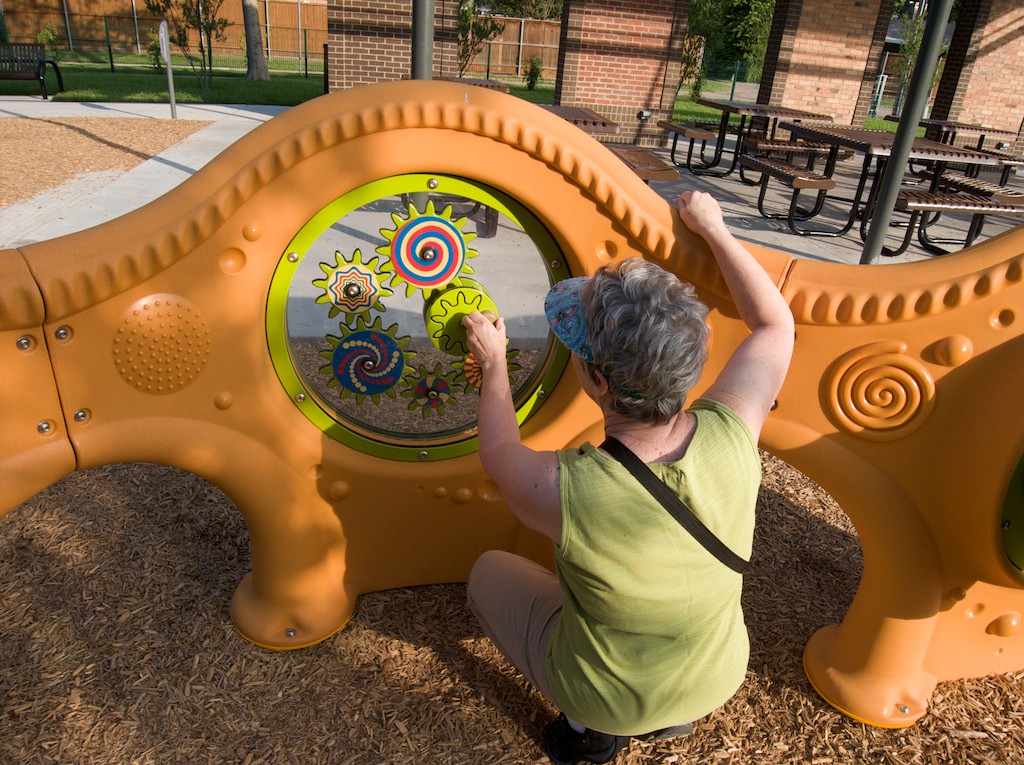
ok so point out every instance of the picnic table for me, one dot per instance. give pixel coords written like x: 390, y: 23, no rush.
x: 585, y: 119
x: 876, y: 147
x: 756, y: 121
x: 946, y: 131
x: 645, y: 163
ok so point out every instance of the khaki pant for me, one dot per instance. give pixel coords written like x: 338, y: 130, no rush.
x: 517, y: 603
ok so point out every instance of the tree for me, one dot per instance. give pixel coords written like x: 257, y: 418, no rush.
x: 528, y: 9
x: 474, y: 33
x: 256, y: 62
x: 733, y: 30
x: 751, y: 23
x: 185, y: 16
x: 912, y: 17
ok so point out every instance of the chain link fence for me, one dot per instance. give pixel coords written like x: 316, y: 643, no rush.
x: 129, y: 43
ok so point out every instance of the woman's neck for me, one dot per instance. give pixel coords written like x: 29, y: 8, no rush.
x: 663, y: 442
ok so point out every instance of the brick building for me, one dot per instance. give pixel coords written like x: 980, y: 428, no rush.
x: 623, y: 59
x: 981, y: 81
x: 824, y: 55
x: 370, y: 41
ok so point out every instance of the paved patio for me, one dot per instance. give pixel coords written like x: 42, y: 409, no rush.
x: 35, y: 221
x: 739, y: 203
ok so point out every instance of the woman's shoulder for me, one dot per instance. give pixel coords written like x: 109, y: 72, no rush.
x: 720, y: 418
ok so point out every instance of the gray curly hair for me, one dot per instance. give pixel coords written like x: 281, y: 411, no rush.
x: 649, y: 334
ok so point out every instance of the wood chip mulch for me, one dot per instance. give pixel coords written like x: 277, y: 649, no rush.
x: 116, y: 645
x: 39, y: 154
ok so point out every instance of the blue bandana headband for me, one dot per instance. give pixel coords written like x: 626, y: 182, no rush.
x: 565, y: 315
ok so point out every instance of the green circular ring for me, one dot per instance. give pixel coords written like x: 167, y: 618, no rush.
x: 307, y: 400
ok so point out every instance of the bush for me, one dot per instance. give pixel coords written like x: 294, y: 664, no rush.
x: 156, y: 57
x: 49, y: 37
x: 533, y: 72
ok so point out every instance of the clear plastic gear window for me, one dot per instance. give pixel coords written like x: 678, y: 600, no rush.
x: 363, y: 318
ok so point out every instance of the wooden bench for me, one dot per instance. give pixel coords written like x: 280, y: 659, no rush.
x: 689, y: 131
x: 918, y: 202
x: 645, y: 163
x: 27, y: 61
x: 797, y: 178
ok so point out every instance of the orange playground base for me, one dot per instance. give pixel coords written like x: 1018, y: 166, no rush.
x: 285, y: 325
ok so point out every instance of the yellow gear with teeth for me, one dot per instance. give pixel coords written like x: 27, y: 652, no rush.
x: 443, y: 312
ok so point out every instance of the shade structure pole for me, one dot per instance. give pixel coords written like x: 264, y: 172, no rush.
x: 917, y: 99
x: 422, y: 39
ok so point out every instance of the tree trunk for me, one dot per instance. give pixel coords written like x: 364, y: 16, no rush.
x: 256, y: 62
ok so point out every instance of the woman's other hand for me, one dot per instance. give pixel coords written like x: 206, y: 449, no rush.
x: 701, y: 213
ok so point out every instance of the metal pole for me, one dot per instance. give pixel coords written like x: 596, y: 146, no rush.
x: 422, y: 39
x: 67, y: 23
x: 519, y: 50
x: 298, y: 42
x: 135, y: 18
x: 266, y: 17
x: 917, y: 99
x: 110, y: 51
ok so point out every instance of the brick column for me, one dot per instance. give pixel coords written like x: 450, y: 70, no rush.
x: 370, y: 41
x: 981, y: 79
x: 823, y: 56
x: 619, y: 58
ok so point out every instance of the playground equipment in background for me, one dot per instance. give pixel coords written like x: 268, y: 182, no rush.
x: 282, y: 324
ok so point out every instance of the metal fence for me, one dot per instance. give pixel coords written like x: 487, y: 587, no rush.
x: 293, y: 33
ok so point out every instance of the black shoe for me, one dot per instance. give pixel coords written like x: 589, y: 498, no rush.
x: 666, y: 733
x: 564, y: 746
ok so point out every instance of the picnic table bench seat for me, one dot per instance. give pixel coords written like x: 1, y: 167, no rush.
x: 1009, y: 162
x: 758, y: 145
x: 788, y: 174
x: 981, y: 188
x: 918, y: 202
x: 689, y: 131
x: 27, y: 61
x: 797, y: 178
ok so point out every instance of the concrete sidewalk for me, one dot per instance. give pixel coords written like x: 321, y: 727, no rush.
x: 98, y: 197
x: 94, y: 198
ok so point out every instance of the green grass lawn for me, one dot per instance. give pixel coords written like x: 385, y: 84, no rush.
x: 90, y: 82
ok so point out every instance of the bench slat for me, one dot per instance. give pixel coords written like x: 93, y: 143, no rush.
x: 693, y: 132
x: 765, y: 145
x: 983, y: 188
x: 937, y: 201
x: 790, y: 175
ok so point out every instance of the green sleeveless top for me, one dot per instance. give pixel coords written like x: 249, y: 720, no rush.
x: 651, y: 633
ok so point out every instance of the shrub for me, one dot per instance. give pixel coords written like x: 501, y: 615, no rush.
x: 533, y: 72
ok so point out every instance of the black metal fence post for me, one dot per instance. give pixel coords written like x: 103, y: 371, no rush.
x: 110, y: 50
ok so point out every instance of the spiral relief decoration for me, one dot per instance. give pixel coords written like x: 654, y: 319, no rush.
x: 880, y: 393
x: 427, y: 250
x: 367, y: 360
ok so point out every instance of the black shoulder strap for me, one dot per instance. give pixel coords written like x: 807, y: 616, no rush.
x: 675, y: 506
